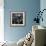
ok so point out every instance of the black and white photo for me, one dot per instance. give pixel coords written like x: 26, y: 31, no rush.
x: 17, y: 18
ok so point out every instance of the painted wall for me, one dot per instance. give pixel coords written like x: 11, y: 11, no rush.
x: 43, y: 6
x: 30, y: 7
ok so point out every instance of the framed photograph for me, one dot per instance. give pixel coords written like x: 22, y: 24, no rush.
x: 17, y: 18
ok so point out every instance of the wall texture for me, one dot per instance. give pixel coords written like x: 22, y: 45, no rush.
x: 30, y: 7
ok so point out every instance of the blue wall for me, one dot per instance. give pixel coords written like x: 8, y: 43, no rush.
x: 29, y: 7
x: 43, y: 6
